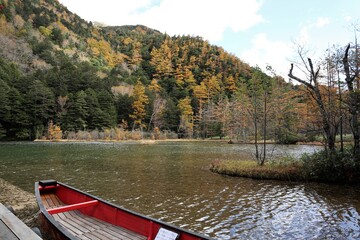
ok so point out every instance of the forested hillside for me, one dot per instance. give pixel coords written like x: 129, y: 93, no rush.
x: 61, y: 76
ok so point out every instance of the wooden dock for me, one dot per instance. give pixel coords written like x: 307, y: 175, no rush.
x: 12, y: 228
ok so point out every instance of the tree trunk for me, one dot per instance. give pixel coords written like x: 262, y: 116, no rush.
x: 353, y: 103
x: 356, y: 134
x: 264, y: 129
x: 256, y: 136
x: 341, y: 114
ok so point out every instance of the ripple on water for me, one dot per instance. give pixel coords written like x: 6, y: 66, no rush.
x: 275, y: 212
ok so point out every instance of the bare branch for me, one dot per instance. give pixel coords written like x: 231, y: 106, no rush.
x: 298, y: 79
x: 349, y: 79
x: 301, y: 54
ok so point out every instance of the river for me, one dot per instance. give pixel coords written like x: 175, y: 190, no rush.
x: 171, y: 181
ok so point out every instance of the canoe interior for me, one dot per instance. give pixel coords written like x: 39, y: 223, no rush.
x: 101, y: 220
x: 85, y: 227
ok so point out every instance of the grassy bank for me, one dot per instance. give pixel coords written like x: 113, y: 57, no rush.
x: 339, y: 167
x: 250, y: 169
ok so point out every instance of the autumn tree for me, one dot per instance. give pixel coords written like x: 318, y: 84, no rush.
x: 161, y: 60
x: 54, y: 131
x: 186, y: 117
x: 78, y: 67
x: 138, y: 106
x: 212, y: 86
x: 184, y: 77
x: 230, y: 85
x: 290, y: 113
x: 102, y: 49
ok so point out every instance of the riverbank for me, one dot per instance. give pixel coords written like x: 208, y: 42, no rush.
x: 23, y: 203
x: 339, y: 168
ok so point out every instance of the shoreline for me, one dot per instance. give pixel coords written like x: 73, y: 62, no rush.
x: 22, y: 202
x: 152, y: 141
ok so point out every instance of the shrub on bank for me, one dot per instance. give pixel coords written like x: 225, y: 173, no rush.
x: 284, y: 136
x: 331, y: 167
x: 117, y: 134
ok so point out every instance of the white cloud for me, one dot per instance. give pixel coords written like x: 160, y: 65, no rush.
x: 304, y: 37
x: 208, y: 19
x: 265, y: 52
x: 205, y: 18
x: 308, y: 31
x: 106, y: 11
x: 321, y: 21
x: 348, y: 18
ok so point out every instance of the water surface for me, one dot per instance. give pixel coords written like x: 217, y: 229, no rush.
x: 171, y: 181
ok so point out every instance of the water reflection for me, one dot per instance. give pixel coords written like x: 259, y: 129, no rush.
x: 170, y: 181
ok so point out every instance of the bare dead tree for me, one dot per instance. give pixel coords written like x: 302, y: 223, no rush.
x: 352, y: 81
x: 313, y: 85
x: 158, y: 107
x: 259, y: 91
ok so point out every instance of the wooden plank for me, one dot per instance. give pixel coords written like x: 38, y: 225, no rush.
x: 17, y: 227
x: 6, y: 233
x: 51, y: 201
x: 111, y: 230
x: 115, y: 231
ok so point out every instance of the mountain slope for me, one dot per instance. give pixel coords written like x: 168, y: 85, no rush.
x: 84, y: 75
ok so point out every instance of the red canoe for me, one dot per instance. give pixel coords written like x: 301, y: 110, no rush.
x: 68, y: 213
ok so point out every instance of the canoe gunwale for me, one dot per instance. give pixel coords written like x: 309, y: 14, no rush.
x: 68, y: 235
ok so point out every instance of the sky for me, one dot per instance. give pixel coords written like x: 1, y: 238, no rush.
x: 259, y: 32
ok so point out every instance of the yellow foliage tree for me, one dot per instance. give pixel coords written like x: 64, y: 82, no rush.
x: 161, y: 60
x: 212, y: 86
x: 136, y: 55
x: 46, y: 31
x: 230, y: 84
x: 138, y: 106
x: 54, y: 131
x: 201, y: 93
x: 184, y: 77
x: 154, y: 86
x: 102, y: 48
x: 5, y: 27
x: 187, y: 117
